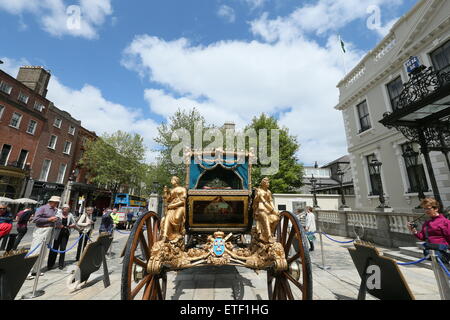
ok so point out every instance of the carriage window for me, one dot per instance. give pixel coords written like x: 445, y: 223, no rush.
x: 220, y: 178
x: 281, y: 207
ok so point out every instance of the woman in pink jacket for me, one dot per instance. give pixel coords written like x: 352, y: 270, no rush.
x: 436, y: 230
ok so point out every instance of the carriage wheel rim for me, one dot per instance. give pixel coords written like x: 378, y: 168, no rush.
x: 280, y: 284
x: 136, y: 240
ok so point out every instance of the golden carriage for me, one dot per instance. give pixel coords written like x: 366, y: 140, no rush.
x: 217, y: 219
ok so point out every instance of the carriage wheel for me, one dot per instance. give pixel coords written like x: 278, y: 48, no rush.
x: 296, y: 282
x: 136, y: 282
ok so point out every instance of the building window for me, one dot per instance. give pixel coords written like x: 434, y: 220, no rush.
x: 416, y: 173
x: 45, y: 170
x: 52, y: 143
x: 32, y: 127
x: 15, y: 120
x: 72, y: 130
x: 363, y: 113
x: 375, y: 178
x: 39, y: 106
x: 6, y: 150
x: 61, y: 173
x: 22, y: 158
x: 2, y: 109
x: 57, y: 123
x: 67, y: 147
x: 395, y: 89
x: 6, y: 88
x: 441, y: 58
x: 23, y: 98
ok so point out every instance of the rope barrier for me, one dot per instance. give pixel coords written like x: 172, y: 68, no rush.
x: 443, y: 266
x: 73, y: 246
x: 344, y: 242
x: 413, y: 262
x: 31, y: 252
x: 122, y: 232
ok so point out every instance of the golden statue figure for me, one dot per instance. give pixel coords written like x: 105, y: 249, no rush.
x: 172, y: 225
x: 265, y: 214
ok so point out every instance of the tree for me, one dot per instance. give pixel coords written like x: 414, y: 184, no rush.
x: 182, y: 119
x: 290, y: 173
x: 116, y: 161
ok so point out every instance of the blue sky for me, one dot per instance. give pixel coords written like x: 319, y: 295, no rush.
x: 129, y: 64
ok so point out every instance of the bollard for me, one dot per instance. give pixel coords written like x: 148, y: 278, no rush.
x: 37, y: 293
x: 441, y: 278
x: 323, y: 266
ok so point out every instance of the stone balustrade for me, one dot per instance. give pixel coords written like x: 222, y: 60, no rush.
x: 383, y: 228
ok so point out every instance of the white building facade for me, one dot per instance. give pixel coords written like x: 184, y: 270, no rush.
x: 372, y: 88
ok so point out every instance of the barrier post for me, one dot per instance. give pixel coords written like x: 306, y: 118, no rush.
x: 323, y: 266
x: 37, y: 293
x: 441, y: 278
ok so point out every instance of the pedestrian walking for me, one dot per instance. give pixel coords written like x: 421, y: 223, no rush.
x: 66, y: 224
x: 310, y: 227
x: 85, y: 225
x: 130, y: 216
x: 22, y: 218
x: 107, y: 223
x: 45, y: 219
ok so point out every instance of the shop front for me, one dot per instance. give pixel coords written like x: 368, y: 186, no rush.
x: 43, y: 191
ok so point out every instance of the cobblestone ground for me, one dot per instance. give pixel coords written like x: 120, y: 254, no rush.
x: 340, y: 282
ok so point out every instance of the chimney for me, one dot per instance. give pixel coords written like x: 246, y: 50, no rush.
x: 35, y: 78
x: 229, y: 126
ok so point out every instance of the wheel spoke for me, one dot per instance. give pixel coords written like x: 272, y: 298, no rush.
x: 148, y: 289
x: 269, y: 286
x: 287, y: 289
x: 144, y: 246
x: 158, y: 290
x: 284, y: 232
x: 155, y: 230
x: 149, y: 232
x: 139, y: 286
x: 295, y: 257
x: 295, y: 282
x: 289, y: 241
x: 139, y: 262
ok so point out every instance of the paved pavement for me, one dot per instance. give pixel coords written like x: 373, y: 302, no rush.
x: 341, y: 282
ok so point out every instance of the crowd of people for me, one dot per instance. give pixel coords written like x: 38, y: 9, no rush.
x: 53, y: 226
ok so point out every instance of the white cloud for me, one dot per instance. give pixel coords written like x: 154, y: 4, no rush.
x: 255, y: 3
x: 227, y: 13
x: 59, y: 19
x: 236, y: 80
x: 95, y: 112
x: 319, y: 18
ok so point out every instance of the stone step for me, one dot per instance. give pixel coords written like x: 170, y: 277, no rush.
x: 400, y: 257
x: 412, y: 251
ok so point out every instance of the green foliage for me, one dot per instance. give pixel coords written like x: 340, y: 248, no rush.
x: 289, y: 176
x: 182, y: 119
x: 116, y: 161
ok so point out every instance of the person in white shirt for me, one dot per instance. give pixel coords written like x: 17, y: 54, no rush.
x: 310, y: 227
x: 85, y: 225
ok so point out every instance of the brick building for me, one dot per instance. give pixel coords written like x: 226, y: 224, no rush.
x: 55, y: 155
x: 22, y: 121
x: 40, y: 144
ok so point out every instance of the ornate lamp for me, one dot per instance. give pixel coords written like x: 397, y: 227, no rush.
x: 340, y: 174
x: 376, y: 168
x: 313, y: 185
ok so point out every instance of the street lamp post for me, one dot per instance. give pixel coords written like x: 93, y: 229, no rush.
x: 376, y: 167
x: 340, y: 174
x: 411, y: 159
x: 313, y: 185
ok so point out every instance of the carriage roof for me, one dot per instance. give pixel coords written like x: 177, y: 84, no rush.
x: 232, y: 168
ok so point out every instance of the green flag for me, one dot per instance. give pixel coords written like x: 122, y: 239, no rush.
x: 342, y: 45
